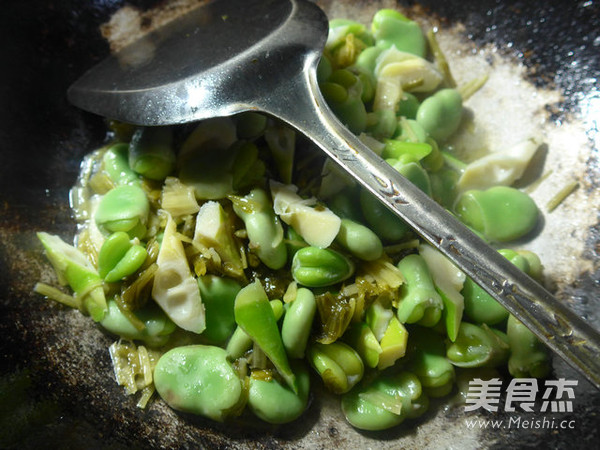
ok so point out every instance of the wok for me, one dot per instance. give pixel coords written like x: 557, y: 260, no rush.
x: 57, y: 385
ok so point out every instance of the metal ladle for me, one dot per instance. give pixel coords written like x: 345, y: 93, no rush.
x: 230, y: 56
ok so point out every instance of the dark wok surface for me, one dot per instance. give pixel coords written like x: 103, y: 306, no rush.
x: 44, y: 46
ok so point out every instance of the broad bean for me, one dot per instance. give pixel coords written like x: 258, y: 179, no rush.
x: 359, y: 240
x: 428, y: 362
x: 343, y: 91
x: 479, y: 305
x: 384, y: 403
x: 200, y: 380
x: 250, y: 125
x: 380, y: 219
x: 361, y: 338
x: 297, y: 323
x: 276, y: 403
x: 124, y: 208
x: 320, y: 267
x: 116, y: 165
x: 265, y: 232
x: 338, y: 364
x: 381, y: 124
x: 440, y: 115
x: 419, y: 302
x: 500, y: 213
x: 151, y: 152
x: 528, y: 357
x: 478, y: 347
x: 408, y: 106
x: 218, y: 295
x: 157, y: 326
x: 391, y: 28
x: 118, y: 257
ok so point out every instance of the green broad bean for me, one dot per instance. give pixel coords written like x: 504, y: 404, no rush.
x: 384, y: 403
x: 264, y: 229
x: 124, y: 208
x: 481, y: 307
x: 338, y: 364
x: 157, y: 326
x: 151, y: 152
x: 250, y: 125
x: 535, y: 267
x: 381, y: 124
x: 255, y: 316
x: 528, y: 357
x: 453, y: 312
x: 346, y: 103
x: 361, y: 338
x: 346, y: 40
x: 367, y: 60
x: 128, y: 265
x: 340, y: 28
x: 198, y: 379
x: 410, y: 130
x: 434, y: 161
x: 118, y: 257
x: 368, y: 83
x: 276, y: 403
x: 391, y: 28
x: 500, y: 213
x: 247, y: 169
x: 405, y: 151
x: 448, y: 281
x: 380, y: 219
x: 344, y: 204
x: 359, y: 240
x: 320, y: 267
x: 440, y: 115
x: 112, y: 251
x: 443, y: 186
x: 516, y: 258
x: 294, y: 241
x: 116, y: 165
x: 415, y: 173
x: 297, y: 323
x: 419, y: 302
x: 324, y: 69
x: 478, y: 346
x: 206, y: 158
x: 218, y: 296
x: 428, y: 362
x: 72, y: 268
x: 281, y: 141
x: 408, y: 106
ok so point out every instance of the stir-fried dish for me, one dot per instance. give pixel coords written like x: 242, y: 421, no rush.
x: 230, y: 258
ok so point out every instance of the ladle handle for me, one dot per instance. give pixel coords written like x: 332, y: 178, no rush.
x: 552, y: 322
